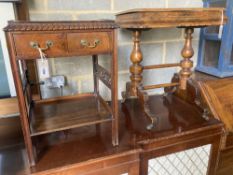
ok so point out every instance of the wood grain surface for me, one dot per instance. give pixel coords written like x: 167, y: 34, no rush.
x: 9, y: 107
x: 178, y: 17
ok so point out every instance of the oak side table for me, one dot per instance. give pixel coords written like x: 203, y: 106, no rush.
x: 139, y: 20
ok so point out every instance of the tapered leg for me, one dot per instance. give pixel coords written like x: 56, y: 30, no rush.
x: 114, y: 91
x: 24, y: 117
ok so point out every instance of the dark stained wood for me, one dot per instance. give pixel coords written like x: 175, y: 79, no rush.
x: 67, y: 114
x: 214, y: 157
x: 219, y: 98
x: 228, y: 140
x: 225, y: 163
x: 21, y: 101
x: 10, y: 132
x: 175, y: 131
x: 140, y: 20
x: 114, y: 93
x: 216, y: 96
x: 170, y: 17
x: 161, y: 140
x: 62, y: 39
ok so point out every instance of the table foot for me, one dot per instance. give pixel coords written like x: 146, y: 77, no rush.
x: 143, y: 98
x: 144, y: 101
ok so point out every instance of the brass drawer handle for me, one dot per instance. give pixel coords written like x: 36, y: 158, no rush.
x: 85, y: 43
x: 36, y: 45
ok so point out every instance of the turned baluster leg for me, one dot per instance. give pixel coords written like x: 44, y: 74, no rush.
x: 136, y: 68
x: 186, y: 64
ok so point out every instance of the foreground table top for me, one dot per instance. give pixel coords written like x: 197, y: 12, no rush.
x: 88, y: 148
x: 170, y: 17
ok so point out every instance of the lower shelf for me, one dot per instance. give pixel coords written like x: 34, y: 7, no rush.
x: 66, y: 114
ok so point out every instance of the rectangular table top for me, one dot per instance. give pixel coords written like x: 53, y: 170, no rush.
x: 170, y: 17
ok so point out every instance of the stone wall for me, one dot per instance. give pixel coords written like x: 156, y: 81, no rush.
x: 158, y: 46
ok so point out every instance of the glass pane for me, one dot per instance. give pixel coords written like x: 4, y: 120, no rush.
x: 212, y: 30
x: 4, y: 87
x: 211, y: 53
x: 231, y: 60
x: 215, y: 3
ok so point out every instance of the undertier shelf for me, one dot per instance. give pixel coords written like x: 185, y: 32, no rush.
x: 66, y: 114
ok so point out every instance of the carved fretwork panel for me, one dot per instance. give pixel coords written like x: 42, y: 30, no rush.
x: 104, y: 76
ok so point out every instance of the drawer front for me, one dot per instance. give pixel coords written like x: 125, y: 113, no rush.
x: 89, y: 43
x: 24, y: 48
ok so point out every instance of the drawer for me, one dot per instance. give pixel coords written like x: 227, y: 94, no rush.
x: 24, y: 48
x: 89, y: 43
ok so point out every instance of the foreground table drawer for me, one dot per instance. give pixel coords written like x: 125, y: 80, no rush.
x: 89, y: 43
x: 53, y: 43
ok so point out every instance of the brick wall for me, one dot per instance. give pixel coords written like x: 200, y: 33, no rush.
x: 158, y: 46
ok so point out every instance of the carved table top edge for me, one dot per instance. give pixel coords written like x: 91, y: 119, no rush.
x: 59, y: 25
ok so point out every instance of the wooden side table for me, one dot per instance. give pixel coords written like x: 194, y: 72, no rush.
x: 40, y: 118
x: 140, y: 20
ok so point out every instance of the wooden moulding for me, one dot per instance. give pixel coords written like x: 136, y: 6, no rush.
x: 170, y: 17
x: 61, y: 25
